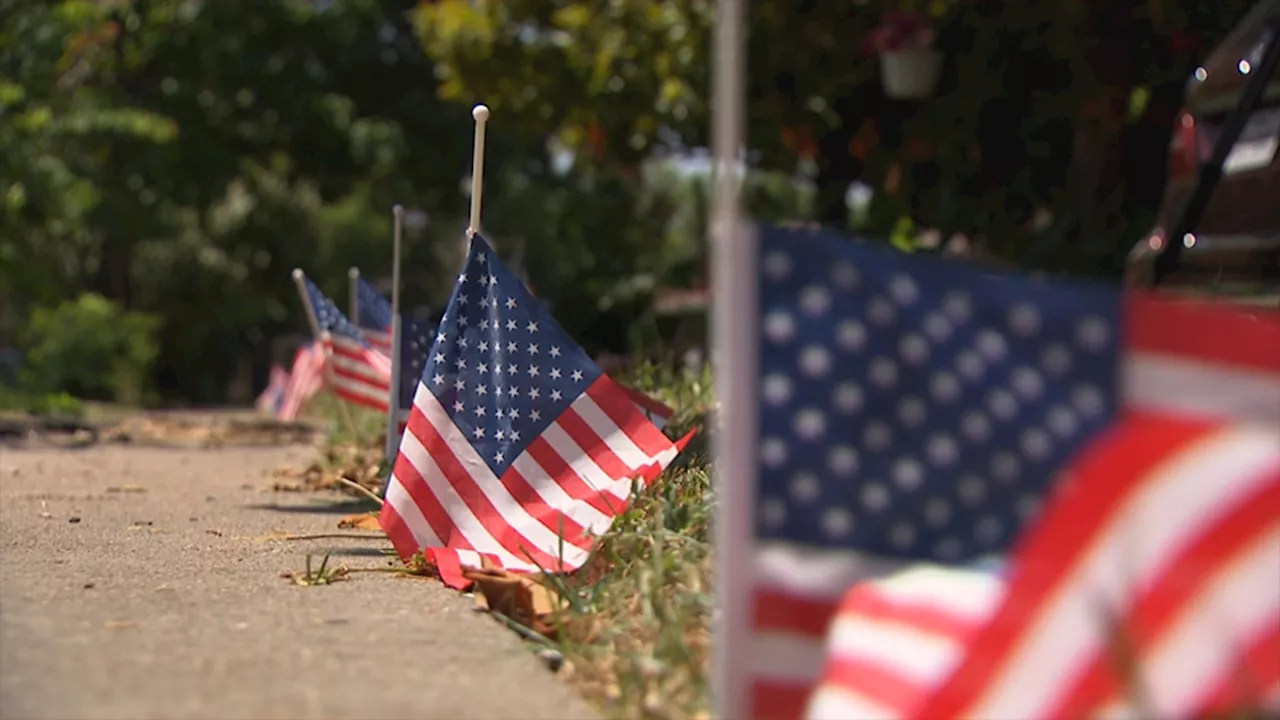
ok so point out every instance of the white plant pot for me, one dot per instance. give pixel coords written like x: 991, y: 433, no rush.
x: 910, y: 74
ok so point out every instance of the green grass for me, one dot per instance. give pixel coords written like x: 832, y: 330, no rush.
x: 349, y: 424
x: 637, y: 636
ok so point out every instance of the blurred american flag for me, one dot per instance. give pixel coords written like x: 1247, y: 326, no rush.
x: 913, y: 413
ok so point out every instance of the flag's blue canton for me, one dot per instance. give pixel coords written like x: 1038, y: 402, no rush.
x: 915, y: 407
x: 375, y: 311
x: 501, y: 366
x: 416, y: 336
x: 330, y: 317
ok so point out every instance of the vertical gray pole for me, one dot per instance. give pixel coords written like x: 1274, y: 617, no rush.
x: 353, y: 295
x: 393, y: 404
x: 733, y: 359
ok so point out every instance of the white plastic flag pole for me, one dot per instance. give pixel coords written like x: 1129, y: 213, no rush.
x: 393, y: 404
x: 734, y: 300
x: 481, y: 115
x: 353, y: 294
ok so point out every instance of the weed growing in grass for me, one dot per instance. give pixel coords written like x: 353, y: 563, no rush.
x: 324, y: 575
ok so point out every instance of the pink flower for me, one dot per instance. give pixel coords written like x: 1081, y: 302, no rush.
x: 899, y: 30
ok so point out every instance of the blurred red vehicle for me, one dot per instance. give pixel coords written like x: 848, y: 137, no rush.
x: 1234, y: 248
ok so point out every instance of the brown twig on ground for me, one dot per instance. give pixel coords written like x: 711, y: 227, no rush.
x: 326, y: 536
x: 360, y: 489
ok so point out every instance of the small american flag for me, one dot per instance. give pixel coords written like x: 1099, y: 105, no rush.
x: 518, y: 448
x: 374, y: 316
x: 358, y: 373
x: 306, y: 377
x: 914, y: 410
x: 272, y: 398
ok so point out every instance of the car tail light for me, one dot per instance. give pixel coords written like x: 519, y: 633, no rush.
x: 1184, y: 153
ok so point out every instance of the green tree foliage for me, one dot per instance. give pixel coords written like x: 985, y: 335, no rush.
x: 91, y: 348
x: 180, y: 157
x: 183, y: 156
x: 1033, y: 111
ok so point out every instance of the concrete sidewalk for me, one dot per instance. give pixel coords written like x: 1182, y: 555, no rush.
x: 168, y: 603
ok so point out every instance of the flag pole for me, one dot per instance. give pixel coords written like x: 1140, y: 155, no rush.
x: 353, y: 294
x: 481, y: 115
x: 734, y: 299
x: 300, y: 281
x: 393, y: 403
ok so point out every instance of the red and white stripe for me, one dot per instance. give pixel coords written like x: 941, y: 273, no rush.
x: 795, y: 594
x: 563, y: 490
x: 306, y: 377
x: 379, y: 339
x: 358, y: 373
x: 657, y: 412
x: 1198, y: 359
x: 894, y: 640
x: 1166, y: 537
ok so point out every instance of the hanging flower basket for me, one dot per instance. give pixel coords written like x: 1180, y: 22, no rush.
x: 910, y: 74
x: 909, y: 63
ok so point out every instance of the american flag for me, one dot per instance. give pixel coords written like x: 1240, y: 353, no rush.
x: 374, y: 316
x: 518, y: 447
x: 272, y: 398
x: 306, y: 377
x: 358, y: 373
x: 912, y: 410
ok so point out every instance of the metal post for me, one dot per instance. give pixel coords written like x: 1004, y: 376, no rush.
x: 393, y: 404
x: 353, y: 294
x: 733, y: 308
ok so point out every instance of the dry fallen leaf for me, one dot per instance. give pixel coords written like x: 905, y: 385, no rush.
x: 520, y: 597
x: 361, y: 521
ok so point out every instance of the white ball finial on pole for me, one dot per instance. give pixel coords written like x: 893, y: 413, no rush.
x: 481, y: 115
